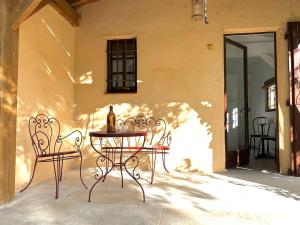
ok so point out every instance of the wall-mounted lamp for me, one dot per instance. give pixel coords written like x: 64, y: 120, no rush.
x: 199, y: 10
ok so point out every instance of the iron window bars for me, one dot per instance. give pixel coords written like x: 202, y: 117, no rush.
x: 270, y: 89
x: 122, y: 66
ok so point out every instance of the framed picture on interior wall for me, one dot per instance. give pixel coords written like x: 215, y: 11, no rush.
x: 122, y: 66
x: 270, y: 93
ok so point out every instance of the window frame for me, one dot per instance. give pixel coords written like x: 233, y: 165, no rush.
x: 267, y: 85
x: 122, y: 55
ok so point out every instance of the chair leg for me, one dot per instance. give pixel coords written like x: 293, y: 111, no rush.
x: 250, y: 143
x: 163, y: 155
x: 153, y: 166
x: 275, y: 153
x: 268, y: 148
x: 80, y: 172
x: 61, y: 170
x: 254, y: 146
x: 258, y: 150
x: 56, y: 175
x: 32, y: 175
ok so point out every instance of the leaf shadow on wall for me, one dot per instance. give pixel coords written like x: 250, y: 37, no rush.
x: 191, y: 136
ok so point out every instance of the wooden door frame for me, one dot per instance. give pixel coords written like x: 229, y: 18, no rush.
x: 276, y: 88
x: 294, y: 169
x: 292, y: 100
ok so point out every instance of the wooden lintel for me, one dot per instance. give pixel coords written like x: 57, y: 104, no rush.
x: 66, y: 11
x: 80, y: 3
x: 31, y: 9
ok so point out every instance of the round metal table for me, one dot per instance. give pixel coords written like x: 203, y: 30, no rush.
x: 107, y: 155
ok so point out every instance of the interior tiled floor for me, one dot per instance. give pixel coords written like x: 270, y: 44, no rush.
x: 239, y: 196
x: 262, y: 164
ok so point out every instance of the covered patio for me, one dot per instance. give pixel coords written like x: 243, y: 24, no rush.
x: 73, y: 60
x: 236, y: 197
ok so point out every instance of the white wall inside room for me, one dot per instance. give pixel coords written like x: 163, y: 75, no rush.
x: 259, y: 72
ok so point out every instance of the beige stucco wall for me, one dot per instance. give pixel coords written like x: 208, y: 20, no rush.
x: 45, y: 84
x: 180, y: 69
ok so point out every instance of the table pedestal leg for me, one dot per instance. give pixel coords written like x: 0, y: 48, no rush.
x: 134, y: 175
x: 103, y: 175
x: 107, y: 160
x: 121, y: 162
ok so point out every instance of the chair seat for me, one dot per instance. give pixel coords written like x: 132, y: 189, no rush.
x: 162, y: 148
x: 256, y: 135
x: 267, y: 137
x: 135, y: 148
x: 59, y: 153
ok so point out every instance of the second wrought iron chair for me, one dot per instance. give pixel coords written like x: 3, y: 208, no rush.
x: 158, y: 139
x: 47, y: 143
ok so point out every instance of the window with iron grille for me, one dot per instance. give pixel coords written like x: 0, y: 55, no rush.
x: 121, y: 58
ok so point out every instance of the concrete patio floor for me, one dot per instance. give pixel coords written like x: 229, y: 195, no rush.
x: 239, y: 196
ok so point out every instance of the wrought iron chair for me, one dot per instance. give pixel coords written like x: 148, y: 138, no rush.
x: 158, y: 140
x: 47, y: 143
x: 270, y: 137
x: 260, y: 127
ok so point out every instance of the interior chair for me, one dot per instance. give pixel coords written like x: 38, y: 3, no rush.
x: 270, y: 137
x: 260, y: 127
x: 50, y: 146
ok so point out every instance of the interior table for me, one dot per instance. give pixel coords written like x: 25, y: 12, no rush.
x: 107, y: 154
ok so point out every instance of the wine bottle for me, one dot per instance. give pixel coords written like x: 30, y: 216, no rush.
x: 111, y: 120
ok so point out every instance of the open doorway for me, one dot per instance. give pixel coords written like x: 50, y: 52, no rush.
x: 251, y: 101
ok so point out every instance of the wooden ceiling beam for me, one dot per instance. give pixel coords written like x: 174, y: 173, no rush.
x: 78, y: 3
x: 66, y: 11
x: 33, y: 7
x: 63, y: 7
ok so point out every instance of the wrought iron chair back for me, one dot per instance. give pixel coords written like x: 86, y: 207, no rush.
x: 45, y: 134
x: 46, y: 137
x: 157, y: 141
x: 155, y: 128
x: 261, y: 125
